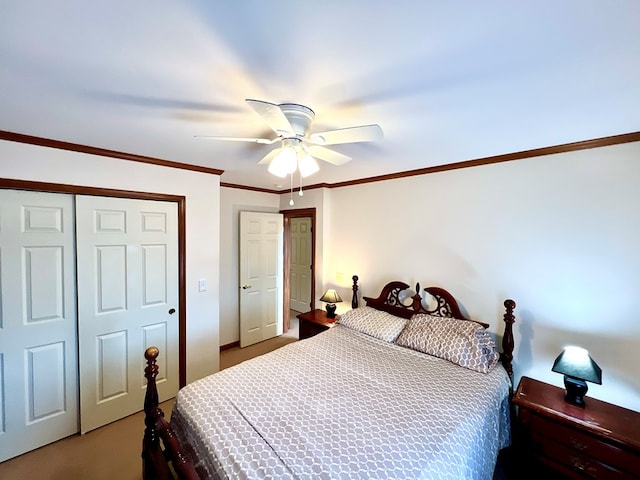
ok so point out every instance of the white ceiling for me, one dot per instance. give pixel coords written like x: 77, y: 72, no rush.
x: 448, y: 81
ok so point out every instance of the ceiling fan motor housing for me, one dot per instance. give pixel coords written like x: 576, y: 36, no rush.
x: 299, y: 116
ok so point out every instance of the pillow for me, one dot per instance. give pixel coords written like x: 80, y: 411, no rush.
x: 463, y: 342
x: 375, y: 323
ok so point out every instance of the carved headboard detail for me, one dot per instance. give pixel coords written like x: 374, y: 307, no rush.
x: 390, y: 301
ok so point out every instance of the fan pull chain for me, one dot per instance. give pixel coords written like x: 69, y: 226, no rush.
x: 291, y: 191
x: 300, y: 193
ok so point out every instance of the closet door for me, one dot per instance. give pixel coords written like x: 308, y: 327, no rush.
x: 38, y: 350
x: 127, y: 301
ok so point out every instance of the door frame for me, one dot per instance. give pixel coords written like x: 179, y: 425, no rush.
x: 13, y: 184
x: 288, y: 215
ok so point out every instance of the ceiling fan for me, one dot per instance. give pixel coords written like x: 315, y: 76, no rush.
x: 299, y: 147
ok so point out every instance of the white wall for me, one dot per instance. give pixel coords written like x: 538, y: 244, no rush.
x: 34, y: 163
x: 232, y: 202
x: 558, y: 234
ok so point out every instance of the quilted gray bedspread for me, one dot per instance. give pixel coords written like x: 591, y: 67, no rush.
x: 346, y: 405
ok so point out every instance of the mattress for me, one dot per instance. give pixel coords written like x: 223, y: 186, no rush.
x: 346, y: 405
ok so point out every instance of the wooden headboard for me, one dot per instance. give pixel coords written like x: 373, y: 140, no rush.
x: 390, y: 301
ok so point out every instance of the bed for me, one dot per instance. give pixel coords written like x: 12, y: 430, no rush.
x: 399, y: 388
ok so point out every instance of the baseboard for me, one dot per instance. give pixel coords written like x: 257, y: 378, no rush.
x: 229, y: 346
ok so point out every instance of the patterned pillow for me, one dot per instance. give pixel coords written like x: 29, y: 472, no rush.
x: 465, y: 343
x: 375, y: 323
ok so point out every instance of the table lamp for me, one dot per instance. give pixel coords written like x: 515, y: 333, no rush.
x: 578, y: 368
x: 331, y: 297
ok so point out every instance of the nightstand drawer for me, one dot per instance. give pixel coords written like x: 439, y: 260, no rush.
x: 309, y: 329
x: 314, y: 322
x: 598, y: 441
x: 574, y: 460
x: 579, y: 448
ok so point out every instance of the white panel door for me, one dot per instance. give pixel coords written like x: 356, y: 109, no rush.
x: 38, y: 349
x: 261, y: 278
x: 300, y: 273
x: 128, y: 300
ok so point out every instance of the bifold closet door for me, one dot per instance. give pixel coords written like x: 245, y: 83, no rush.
x: 38, y: 349
x: 127, y: 258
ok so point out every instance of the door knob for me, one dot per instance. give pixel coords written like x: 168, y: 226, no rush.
x: 245, y: 286
x: 172, y: 311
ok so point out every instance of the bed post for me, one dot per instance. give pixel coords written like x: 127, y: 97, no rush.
x: 151, y: 449
x: 354, y: 297
x: 507, y: 338
x: 158, y: 434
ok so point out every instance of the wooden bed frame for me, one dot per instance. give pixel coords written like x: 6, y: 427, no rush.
x: 163, y: 458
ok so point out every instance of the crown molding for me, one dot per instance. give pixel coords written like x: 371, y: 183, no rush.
x: 103, y: 152
x: 246, y: 187
x: 508, y: 157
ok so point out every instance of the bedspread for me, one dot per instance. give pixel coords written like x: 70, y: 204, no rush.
x: 346, y: 405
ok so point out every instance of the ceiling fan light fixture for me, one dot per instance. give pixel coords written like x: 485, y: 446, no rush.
x: 307, y: 164
x: 300, y: 148
x: 284, y: 163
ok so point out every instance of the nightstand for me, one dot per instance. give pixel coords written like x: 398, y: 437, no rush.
x: 314, y: 322
x: 597, y: 441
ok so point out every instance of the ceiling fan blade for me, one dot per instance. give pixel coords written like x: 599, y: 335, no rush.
x: 270, y: 156
x: 327, y: 155
x: 265, y: 141
x: 273, y: 116
x: 363, y: 133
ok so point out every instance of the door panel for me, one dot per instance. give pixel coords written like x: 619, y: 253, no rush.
x: 128, y: 301
x: 261, y: 278
x: 38, y: 350
x: 300, y: 271
x: 45, y: 381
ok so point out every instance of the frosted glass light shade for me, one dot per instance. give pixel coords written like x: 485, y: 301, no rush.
x: 284, y: 163
x: 307, y: 164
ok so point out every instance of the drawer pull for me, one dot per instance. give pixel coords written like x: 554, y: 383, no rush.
x: 577, y: 464
x: 578, y: 445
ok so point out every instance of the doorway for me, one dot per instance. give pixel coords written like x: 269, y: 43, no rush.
x: 309, y: 213
x: 300, y: 273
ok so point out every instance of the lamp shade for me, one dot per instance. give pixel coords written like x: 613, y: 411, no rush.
x: 330, y: 296
x: 576, y: 362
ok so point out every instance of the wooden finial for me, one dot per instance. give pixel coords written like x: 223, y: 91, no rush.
x: 151, y: 353
x: 354, y: 297
x: 507, y: 339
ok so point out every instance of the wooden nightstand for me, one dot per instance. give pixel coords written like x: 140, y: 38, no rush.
x: 599, y: 441
x: 314, y: 322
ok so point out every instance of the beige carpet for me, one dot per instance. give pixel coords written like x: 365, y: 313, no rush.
x: 236, y: 355
x: 113, y: 451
